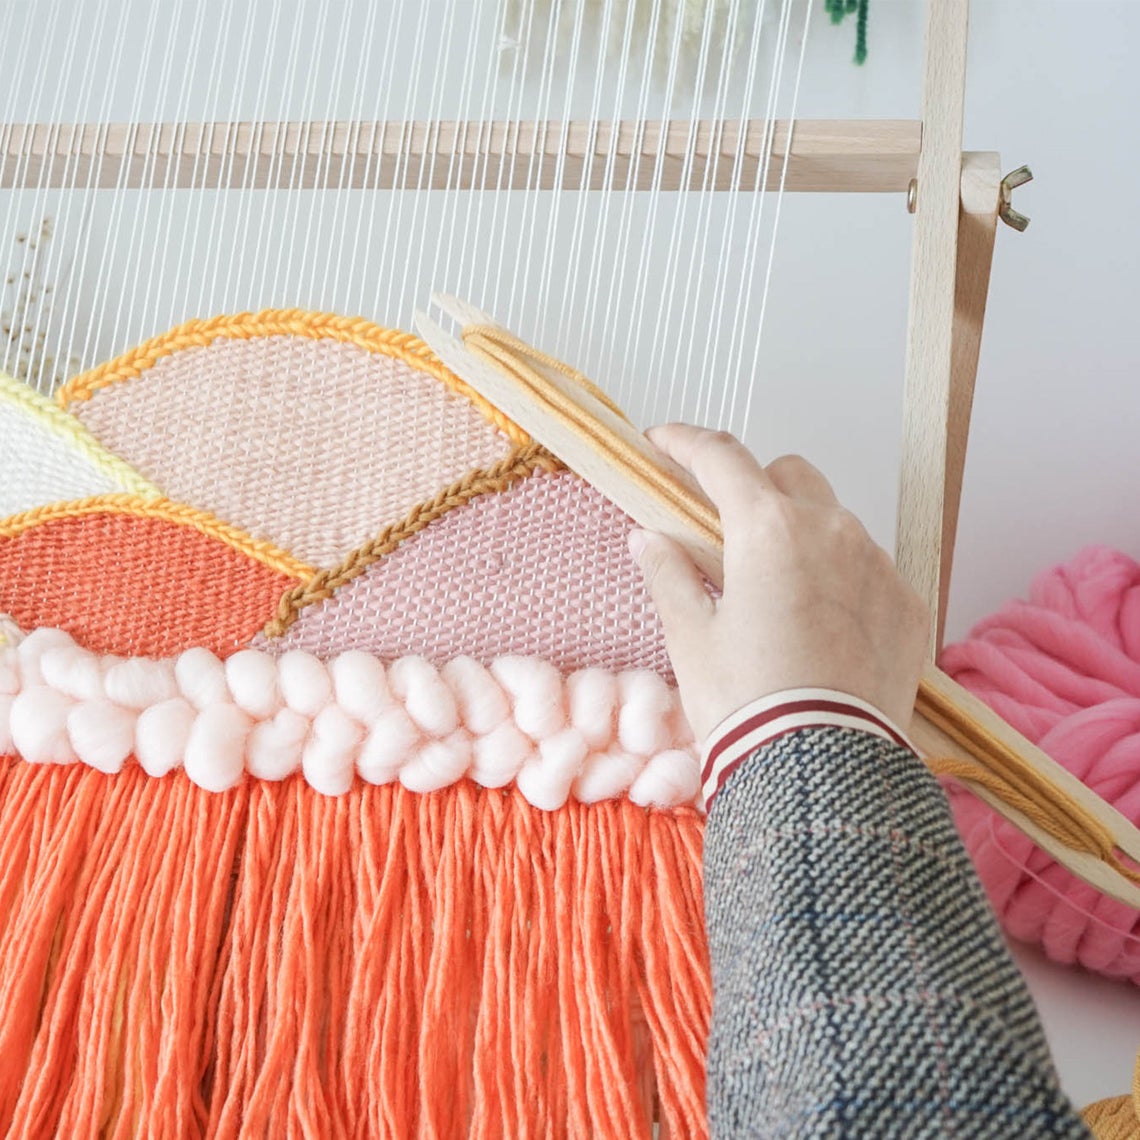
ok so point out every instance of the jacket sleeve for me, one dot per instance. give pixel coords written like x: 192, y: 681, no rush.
x: 861, y: 987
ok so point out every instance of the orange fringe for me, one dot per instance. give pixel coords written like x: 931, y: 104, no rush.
x: 273, y: 962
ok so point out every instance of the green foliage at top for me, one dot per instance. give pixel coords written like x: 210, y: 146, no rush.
x: 838, y: 10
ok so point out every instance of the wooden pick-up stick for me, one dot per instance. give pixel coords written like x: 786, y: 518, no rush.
x: 956, y: 734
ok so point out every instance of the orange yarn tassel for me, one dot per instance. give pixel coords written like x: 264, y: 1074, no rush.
x: 269, y: 961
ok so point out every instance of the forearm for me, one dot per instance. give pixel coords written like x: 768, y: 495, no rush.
x: 860, y: 985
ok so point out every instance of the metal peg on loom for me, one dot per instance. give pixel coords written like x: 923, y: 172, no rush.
x: 566, y: 413
x: 1006, y: 212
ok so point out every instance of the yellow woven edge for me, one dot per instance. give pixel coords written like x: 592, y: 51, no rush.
x: 264, y: 552
x: 284, y: 322
x: 67, y: 428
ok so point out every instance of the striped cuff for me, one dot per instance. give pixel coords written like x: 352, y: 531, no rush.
x: 762, y: 721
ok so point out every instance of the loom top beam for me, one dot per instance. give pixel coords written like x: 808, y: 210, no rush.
x: 862, y: 156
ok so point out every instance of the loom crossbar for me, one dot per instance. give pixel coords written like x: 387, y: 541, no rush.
x: 863, y: 156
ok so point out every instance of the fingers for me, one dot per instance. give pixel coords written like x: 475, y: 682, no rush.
x: 731, y: 475
x: 798, y: 479
x: 673, y: 582
x: 726, y: 470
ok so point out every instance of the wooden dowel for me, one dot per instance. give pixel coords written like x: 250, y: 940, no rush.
x: 861, y: 156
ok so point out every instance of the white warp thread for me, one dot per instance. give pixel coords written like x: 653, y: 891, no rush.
x: 593, y: 734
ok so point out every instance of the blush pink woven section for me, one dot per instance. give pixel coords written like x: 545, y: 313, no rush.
x: 541, y: 569
x: 311, y: 444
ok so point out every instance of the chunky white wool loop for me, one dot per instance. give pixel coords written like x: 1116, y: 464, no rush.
x: 273, y: 750
x: 483, y: 705
x: 329, y: 758
x: 140, y: 682
x: 102, y: 733
x: 9, y: 671
x: 37, y: 722
x: 428, y: 701
x: 10, y: 633
x: 306, y: 686
x: 438, y: 763
x: 606, y: 775
x: 7, y: 744
x: 32, y: 648
x: 593, y: 734
x: 215, y: 752
x: 360, y: 685
x: 387, y: 746
x: 201, y: 678
x: 666, y: 780
x: 646, y: 707
x: 546, y: 781
x: 593, y: 705
x: 73, y: 671
x: 536, y: 690
x: 499, y: 754
x: 252, y: 680
x: 161, y: 733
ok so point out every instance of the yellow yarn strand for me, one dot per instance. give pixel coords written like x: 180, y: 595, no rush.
x: 66, y: 427
x: 284, y: 322
x: 1004, y: 773
x: 264, y: 552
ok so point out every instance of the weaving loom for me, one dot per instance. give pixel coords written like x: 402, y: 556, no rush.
x: 345, y: 789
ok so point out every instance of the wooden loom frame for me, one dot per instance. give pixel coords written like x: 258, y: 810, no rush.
x: 957, y: 197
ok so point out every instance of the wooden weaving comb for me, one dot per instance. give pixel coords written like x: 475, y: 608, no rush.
x: 955, y: 732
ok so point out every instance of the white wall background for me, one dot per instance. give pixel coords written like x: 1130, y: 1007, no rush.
x: 1055, y: 453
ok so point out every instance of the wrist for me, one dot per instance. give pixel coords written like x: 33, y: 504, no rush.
x: 768, y: 718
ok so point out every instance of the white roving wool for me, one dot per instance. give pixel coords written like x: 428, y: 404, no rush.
x: 37, y: 724
x: 161, y: 733
x: 592, y: 734
x: 215, y: 752
x: 103, y: 733
x: 306, y: 686
x: 252, y: 681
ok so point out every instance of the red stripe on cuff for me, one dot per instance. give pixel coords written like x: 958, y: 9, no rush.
x: 792, y: 707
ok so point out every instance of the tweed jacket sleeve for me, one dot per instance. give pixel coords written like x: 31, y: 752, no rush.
x: 861, y: 987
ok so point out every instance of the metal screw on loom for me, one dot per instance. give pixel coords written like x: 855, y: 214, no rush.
x: 1006, y: 212
x: 1009, y: 183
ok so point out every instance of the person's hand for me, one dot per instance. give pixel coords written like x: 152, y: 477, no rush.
x: 809, y: 600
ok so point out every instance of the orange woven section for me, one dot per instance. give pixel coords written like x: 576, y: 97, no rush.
x: 119, y: 583
x: 204, y: 523
x: 283, y: 322
x: 270, y: 961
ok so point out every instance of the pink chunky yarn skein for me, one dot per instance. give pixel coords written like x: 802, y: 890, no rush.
x: 1064, y: 669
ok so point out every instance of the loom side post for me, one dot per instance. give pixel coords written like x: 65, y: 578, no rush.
x: 924, y: 487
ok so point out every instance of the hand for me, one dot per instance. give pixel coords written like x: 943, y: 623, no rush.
x: 809, y: 599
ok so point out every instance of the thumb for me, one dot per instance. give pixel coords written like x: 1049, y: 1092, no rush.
x: 673, y: 581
